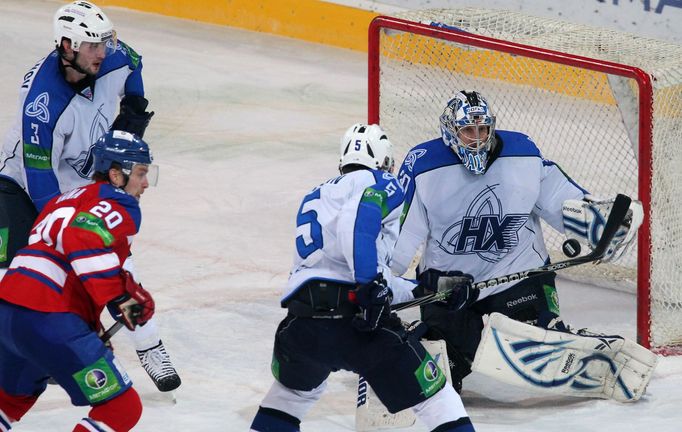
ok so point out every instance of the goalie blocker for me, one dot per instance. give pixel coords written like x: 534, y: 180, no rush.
x: 584, y: 365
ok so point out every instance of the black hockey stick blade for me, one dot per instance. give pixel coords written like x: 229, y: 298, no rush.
x: 619, y: 211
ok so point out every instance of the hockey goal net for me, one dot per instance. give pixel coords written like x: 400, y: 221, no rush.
x: 606, y: 106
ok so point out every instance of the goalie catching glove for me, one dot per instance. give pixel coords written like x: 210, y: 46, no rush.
x: 134, y: 307
x: 584, y: 220
x: 455, y: 286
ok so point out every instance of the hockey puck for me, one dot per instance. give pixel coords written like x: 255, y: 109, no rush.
x: 571, y: 248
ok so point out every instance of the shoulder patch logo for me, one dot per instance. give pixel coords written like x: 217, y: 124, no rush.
x: 38, y: 108
x: 412, y: 157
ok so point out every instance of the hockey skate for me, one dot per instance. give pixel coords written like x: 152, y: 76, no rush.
x: 158, y: 365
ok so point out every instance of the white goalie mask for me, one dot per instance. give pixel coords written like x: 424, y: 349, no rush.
x: 82, y: 21
x: 366, y: 145
x: 468, y: 127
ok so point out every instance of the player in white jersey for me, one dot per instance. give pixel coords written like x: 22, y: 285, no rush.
x: 474, y: 199
x: 338, y: 299
x: 66, y: 102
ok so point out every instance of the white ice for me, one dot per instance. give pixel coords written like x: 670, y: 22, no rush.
x: 245, y: 124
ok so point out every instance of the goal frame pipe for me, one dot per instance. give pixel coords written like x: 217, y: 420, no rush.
x: 644, y: 83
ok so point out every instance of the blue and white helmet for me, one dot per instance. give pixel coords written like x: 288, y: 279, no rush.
x: 466, y: 116
x: 366, y: 145
x: 123, y: 149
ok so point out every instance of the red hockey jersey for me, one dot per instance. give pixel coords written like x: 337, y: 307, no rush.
x: 75, y: 252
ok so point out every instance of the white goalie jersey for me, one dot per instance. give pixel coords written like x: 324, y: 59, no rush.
x: 486, y: 225
x: 346, y: 229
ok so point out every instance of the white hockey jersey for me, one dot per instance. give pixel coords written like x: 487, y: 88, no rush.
x: 346, y: 229
x: 49, y: 149
x: 486, y: 225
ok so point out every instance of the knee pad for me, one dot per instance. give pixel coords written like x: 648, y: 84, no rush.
x: 15, y: 407
x: 120, y: 413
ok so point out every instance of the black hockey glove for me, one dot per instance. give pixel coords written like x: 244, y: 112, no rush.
x: 374, y: 299
x: 132, y: 116
x: 462, y: 293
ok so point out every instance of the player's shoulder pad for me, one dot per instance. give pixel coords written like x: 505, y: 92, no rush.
x: 517, y: 144
x: 427, y: 156
x: 386, y: 192
x: 48, y: 93
x: 128, y: 202
x: 123, y: 56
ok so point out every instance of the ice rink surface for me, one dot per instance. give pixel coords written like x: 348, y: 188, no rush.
x: 245, y: 125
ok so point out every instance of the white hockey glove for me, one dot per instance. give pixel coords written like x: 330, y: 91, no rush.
x: 584, y: 221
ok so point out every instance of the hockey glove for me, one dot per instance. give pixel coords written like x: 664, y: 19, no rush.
x: 135, y: 306
x: 584, y: 220
x: 132, y: 116
x: 374, y: 299
x: 458, y: 284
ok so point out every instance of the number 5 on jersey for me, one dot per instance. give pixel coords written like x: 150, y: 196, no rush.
x: 309, y: 230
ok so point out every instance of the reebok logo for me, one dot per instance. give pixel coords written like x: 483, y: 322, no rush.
x: 569, y: 363
x: 523, y: 299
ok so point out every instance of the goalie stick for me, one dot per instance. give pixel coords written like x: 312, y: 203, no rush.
x: 618, y: 213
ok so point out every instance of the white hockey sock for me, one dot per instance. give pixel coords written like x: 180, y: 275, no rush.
x: 93, y: 425
x: 443, y: 407
x: 293, y: 402
x: 4, y: 422
x: 144, y: 337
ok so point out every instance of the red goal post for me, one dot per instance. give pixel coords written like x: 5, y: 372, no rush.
x: 417, y: 61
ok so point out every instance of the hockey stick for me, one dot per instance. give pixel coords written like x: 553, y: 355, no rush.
x: 616, y: 217
x: 111, y: 331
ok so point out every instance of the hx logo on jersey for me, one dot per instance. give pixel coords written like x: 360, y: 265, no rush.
x: 484, y: 230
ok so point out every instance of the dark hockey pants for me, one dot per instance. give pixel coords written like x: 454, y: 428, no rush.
x: 461, y: 330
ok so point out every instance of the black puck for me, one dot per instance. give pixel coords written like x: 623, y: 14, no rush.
x: 571, y: 248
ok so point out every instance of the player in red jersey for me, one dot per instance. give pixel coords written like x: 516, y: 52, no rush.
x: 56, y: 288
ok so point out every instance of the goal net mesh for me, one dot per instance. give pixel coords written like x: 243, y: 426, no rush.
x: 585, y: 121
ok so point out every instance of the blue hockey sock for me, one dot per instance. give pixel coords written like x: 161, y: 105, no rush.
x: 272, y: 420
x: 460, y: 425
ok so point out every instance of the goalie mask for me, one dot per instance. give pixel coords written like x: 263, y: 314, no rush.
x: 83, y: 22
x: 366, y: 145
x: 468, y: 128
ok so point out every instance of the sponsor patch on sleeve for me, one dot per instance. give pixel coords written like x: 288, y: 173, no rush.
x: 93, y: 224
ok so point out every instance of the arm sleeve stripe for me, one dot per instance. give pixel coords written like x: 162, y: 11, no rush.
x: 54, y: 258
x: 87, y: 253
x: 101, y: 275
x: 43, y: 266
x: 99, y: 263
x: 37, y: 276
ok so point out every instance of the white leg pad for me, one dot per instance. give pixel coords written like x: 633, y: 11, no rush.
x: 293, y: 402
x: 609, y: 367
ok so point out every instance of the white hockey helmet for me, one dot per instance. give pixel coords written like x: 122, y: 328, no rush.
x: 82, y: 21
x: 464, y: 114
x: 366, y: 145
